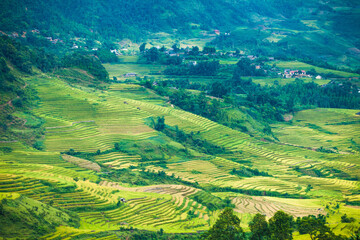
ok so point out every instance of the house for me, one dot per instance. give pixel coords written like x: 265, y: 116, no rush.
x: 257, y: 66
x: 194, y: 63
x: 288, y: 73
x: 55, y: 41
x: 115, y: 51
x: 303, y: 73
x: 130, y: 75
x: 123, y: 200
x: 217, y: 32
x: 318, y: 77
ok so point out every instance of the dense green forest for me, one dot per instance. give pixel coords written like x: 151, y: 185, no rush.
x: 270, y: 28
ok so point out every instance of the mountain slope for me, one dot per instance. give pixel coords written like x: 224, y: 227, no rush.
x: 332, y: 27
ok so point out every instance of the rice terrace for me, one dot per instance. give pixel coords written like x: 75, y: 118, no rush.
x: 165, y: 120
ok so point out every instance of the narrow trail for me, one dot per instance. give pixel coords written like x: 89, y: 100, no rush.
x: 9, y: 103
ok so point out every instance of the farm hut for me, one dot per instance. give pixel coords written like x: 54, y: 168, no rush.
x: 131, y: 75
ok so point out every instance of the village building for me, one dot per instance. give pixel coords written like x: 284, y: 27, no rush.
x: 130, y: 75
x: 288, y: 73
x: 115, y: 51
x: 194, y: 63
x: 251, y: 57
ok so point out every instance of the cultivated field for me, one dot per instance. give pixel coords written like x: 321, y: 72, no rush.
x: 88, y: 120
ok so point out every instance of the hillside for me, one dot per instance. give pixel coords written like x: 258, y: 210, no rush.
x: 247, y: 117
x: 307, y: 29
x: 99, y: 146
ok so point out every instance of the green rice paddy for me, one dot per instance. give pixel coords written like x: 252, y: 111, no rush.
x: 87, y: 120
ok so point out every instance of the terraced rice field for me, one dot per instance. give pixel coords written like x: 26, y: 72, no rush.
x: 269, y: 206
x: 134, y: 105
x: 118, y: 160
x: 88, y: 120
x: 322, y: 127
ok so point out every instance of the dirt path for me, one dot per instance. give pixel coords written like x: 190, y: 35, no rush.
x: 9, y: 103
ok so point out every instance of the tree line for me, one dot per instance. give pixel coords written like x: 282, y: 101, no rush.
x: 279, y: 227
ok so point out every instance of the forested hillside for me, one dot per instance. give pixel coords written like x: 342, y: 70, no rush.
x: 327, y: 32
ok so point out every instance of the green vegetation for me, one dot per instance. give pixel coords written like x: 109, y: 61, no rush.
x: 184, y: 142
x: 87, y: 63
x: 210, y: 201
x: 226, y: 227
x: 21, y: 216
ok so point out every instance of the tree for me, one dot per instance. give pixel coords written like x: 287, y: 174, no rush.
x: 281, y: 226
x: 345, y: 219
x: 209, y: 50
x: 175, y: 48
x: 259, y: 228
x: 142, y: 47
x: 152, y: 55
x: 316, y: 228
x: 160, y: 124
x: 194, y: 51
x: 218, y: 89
x: 117, y: 146
x: 162, y: 49
x: 226, y: 227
